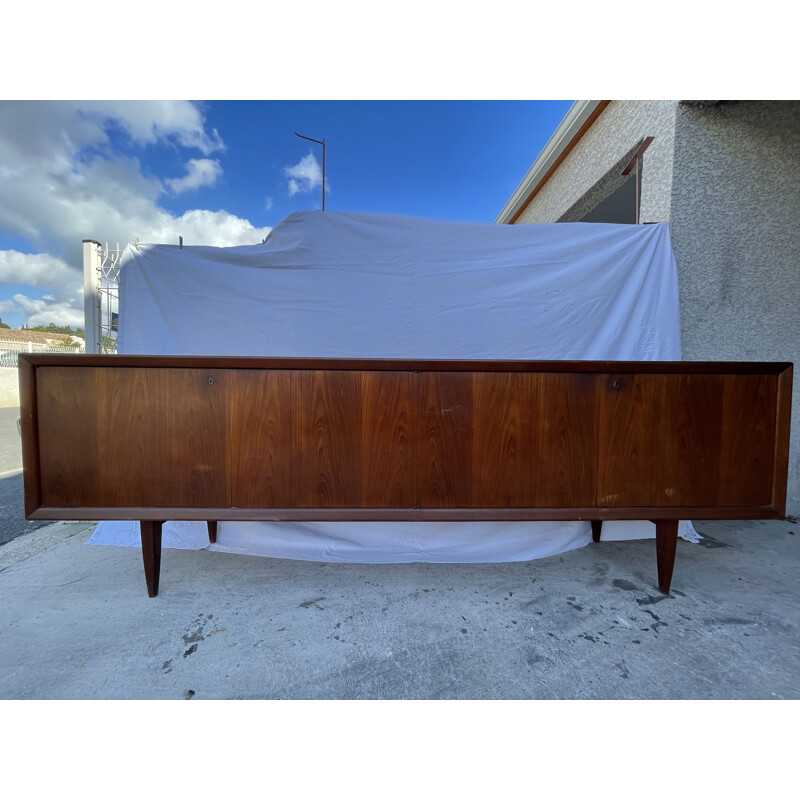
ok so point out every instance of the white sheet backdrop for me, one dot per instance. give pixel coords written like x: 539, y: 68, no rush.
x: 337, y: 284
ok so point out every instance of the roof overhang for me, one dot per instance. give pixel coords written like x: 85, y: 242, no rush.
x: 576, y: 122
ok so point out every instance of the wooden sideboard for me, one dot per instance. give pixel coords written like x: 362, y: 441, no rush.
x: 155, y: 438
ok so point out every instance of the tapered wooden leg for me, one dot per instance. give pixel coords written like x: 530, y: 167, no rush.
x: 212, y: 531
x: 596, y: 526
x: 666, y: 542
x: 151, y: 554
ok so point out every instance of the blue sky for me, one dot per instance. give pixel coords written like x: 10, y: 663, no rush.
x: 223, y: 173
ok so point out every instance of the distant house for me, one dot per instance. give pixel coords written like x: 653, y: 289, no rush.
x: 725, y: 175
x: 14, y: 341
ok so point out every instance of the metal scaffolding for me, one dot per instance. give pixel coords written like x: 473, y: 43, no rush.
x: 101, y: 295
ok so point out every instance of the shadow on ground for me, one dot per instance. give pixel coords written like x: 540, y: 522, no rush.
x: 12, y: 510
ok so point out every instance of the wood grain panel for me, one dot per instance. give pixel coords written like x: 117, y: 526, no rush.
x: 748, y: 444
x: 503, y: 407
x: 67, y: 425
x: 627, y: 437
x: 444, y: 435
x: 387, y: 457
x: 565, y: 440
x: 659, y: 440
x: 688, y: 438
x: 162, y: 438
x: 133, y: 447
x: 328, y: 446
x: 198, y: 426
x: 261, y: 438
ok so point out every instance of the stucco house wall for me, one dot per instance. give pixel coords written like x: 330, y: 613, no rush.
x: 592, y: 170
x: 726, y: 176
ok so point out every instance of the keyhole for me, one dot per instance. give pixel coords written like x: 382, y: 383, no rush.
x: 616, y: 384
x: 210, y: 381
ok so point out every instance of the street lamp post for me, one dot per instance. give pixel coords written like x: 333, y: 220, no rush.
x: 323, y: 162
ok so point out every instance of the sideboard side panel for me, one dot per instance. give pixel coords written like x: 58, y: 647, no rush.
x: 782, y: 437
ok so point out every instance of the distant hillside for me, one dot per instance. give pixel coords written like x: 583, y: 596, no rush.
x: 55, y: 329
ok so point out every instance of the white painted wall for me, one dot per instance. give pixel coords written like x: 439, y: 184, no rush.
x: 9, y: 387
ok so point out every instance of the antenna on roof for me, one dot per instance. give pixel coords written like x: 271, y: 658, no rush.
x: 322, y: 142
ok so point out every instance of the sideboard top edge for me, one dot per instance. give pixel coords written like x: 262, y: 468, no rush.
x: 404, y: 365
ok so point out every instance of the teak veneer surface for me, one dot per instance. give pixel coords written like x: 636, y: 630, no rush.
x: 185, y: 436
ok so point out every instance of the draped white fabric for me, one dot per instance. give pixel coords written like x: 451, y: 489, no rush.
x: 331, y: 284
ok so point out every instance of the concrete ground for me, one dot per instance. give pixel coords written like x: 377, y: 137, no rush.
x: 76, y: 622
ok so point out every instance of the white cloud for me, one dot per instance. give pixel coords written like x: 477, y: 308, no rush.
x: 37, y: 269
x: 57, y: 130
x: 213, y: 228
x: 149, y: 121
x: 61, y: 181
x: 305, y: 176
x: 199, y: 172
x: 62, y: 305
x: 47, y: 309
